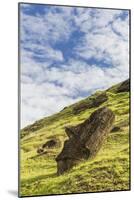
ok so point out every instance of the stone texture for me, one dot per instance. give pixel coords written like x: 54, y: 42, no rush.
x: 124, y: 87
x: 50, y: 144
x: 115, y: 129
x: 85, y: 139
x: 40, y: 151
x: 34, y: 127
x: 95, y: 102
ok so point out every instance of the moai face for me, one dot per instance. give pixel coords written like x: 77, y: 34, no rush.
x: 85, y: 139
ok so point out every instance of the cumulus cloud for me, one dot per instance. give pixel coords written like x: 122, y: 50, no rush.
x: 107, y: 40
x: 67, y: 53
x: 49, y: 28
x: 42, y: 100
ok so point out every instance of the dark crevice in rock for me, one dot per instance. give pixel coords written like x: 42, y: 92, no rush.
x: 49, y: 144
x: 115, y: 129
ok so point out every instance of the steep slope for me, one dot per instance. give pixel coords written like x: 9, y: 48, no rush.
x: 108, y: 171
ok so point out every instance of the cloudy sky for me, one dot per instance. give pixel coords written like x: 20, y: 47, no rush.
x: 67, y: 53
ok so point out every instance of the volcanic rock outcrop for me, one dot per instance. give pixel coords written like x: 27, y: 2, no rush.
x: 124, y: 87
x: 85, y: 139
x: 95, y: 102
x: 50, y: 144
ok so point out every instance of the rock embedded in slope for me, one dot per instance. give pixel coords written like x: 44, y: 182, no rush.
x: 50, y: 143
x: 116, y: 129
x: 95, y: 102
x: 124, y: 86
x: 40, y: 151
x: 85, y: 139
x: 34, y: 127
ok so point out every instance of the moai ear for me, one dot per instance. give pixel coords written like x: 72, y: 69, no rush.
x: 70, y: 131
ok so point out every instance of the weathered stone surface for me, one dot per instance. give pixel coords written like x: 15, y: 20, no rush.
x: 115, y: 129
x: 95, y: 102
x: 50, y: 144
x: 40, y: 151
x: 34, y: 127
x: 85, y: 139
x: 64, y: 108
x: 124, y: 87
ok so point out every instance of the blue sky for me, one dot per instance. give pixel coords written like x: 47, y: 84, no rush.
x: 67, y: 53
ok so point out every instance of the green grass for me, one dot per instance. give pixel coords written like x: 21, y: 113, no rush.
x: 108, y: 171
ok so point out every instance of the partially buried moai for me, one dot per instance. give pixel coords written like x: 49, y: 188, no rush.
x: 85, y: 139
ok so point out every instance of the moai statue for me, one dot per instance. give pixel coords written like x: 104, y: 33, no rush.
x: 85, y: 139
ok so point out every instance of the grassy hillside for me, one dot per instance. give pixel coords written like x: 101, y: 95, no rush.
x: 108, y: 171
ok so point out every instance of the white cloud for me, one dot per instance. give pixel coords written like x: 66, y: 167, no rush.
x: 48, y: 83
x: 104, y: 43
x: 121, y: 27
x: 103, y: 17
x: 41, y: 100
x: 89, y: 19
x: 51, y: 27
x: 42, y: 51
